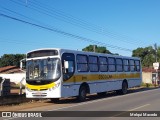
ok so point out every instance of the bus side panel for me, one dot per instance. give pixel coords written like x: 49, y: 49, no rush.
x: 105, y: 86
x: 134, y: 82
x: 70, y: 89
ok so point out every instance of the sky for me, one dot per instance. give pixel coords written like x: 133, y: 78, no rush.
x: 119, y: 25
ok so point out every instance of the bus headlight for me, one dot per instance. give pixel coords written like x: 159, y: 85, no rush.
x: 54, y: 87
x: 28, y: 89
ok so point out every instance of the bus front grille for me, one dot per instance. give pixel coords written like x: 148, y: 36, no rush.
x: 39, y: 94
x: 38, y: 90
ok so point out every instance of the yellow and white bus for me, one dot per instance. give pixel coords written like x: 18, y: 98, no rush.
x: 55, y: 73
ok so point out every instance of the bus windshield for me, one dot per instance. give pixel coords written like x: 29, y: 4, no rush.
x: 43, y: 69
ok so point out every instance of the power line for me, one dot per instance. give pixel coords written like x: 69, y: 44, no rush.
x: 11, y: 11
x: 64, y: 33
x: 34, y: 19
x: 83, y: 23
x: 43, y: 9
x: 15, y: 41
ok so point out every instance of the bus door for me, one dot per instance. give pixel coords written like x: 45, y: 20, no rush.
x: 68, y: 65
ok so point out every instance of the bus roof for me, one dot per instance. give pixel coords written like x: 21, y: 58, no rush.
x: 83, y: 52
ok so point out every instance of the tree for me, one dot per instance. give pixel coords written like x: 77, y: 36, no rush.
x: 98, y: 49
x: 11, y: 60
x: 147, y: 55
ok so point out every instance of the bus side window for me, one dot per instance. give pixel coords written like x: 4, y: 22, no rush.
x: 132, y: 65
x: 119, y: 65
x: 111, y: 64
x: 137, y: 65
x: 93, y: 64
x: 82, y: 63
x: 126, y: 66
x: 103, y: 64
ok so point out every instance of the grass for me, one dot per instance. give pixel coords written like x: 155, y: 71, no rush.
x: 148, y: 85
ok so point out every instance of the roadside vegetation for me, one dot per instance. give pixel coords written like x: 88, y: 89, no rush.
x: 149, y: 85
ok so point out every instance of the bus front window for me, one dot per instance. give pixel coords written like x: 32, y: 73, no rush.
x: 43, y: 69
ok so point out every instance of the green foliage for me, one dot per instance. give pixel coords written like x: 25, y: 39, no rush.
x: 11, y: 60
x: 98, y: 49
x: 147, y: 85
x: 147, y: 55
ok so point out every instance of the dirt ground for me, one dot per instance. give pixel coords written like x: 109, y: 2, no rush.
x: 23, y: 106
x: 16, y: 91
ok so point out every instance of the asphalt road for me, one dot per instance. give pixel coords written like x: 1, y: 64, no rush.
x: 114, y: 105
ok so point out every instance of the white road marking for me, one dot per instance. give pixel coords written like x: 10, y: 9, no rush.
x: 131, y: 110
x: 139, y: 107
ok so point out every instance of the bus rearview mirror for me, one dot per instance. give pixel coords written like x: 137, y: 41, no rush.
x: 23, y: 64
x: 66, y: 64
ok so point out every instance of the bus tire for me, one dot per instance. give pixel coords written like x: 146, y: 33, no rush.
x: 82, y: 94
x: 123, y: 91
x: 124, y: 88
x: 54, y: 100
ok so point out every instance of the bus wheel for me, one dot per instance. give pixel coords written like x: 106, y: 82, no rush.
x: 54, y: 100
x: 123, y: 91
x: 82, y: 94
x: 124, y: 88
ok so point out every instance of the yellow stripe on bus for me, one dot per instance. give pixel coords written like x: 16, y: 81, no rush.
x: 40, y: 87
x: 89, y: 77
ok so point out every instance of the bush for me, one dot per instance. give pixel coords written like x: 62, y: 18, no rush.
x: 146, y: 85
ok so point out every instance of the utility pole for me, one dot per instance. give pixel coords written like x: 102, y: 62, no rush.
x: 155, y: 46
x: 156, y: 80
x: 94, y: 48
